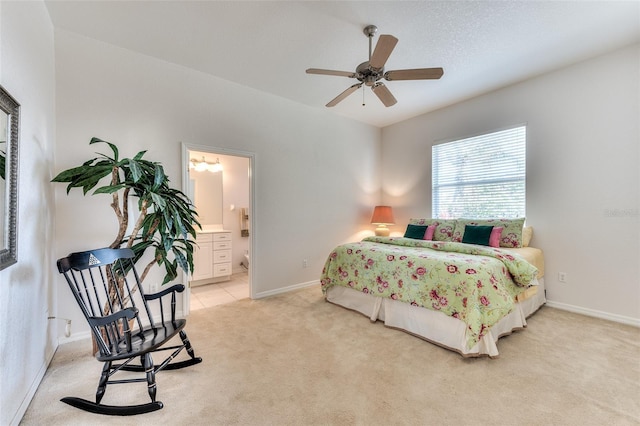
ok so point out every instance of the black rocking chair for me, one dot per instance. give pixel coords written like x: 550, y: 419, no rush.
x: 107, y: 288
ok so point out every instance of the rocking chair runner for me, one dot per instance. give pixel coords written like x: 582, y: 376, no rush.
x: 107, y: 288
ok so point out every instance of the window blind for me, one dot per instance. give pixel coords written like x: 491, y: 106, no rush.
x: 480, y: 177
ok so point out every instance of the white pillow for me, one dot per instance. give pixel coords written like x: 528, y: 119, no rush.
x: 527, y: 233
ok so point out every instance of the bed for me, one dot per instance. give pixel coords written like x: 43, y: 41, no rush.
x: 461, y: 296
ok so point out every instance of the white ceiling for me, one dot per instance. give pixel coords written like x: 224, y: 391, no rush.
x: 268, y: 45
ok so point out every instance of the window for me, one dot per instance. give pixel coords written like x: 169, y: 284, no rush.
x: 480, y: 177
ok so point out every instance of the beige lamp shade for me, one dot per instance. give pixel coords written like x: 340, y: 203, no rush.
x: 382, y: 216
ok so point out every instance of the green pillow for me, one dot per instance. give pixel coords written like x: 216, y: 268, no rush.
x: 511, y: 232
x: 444, y: 228
x: 415, y: 231
x: 477, y: 234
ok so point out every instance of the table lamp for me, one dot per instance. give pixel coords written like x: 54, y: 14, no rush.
x: 382, y: 216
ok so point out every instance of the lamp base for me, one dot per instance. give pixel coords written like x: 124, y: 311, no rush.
x: 382, y: 231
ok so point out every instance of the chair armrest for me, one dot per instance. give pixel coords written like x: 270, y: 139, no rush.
x: 128, y: 313
x: 177, y: 288
x: 109, y: 331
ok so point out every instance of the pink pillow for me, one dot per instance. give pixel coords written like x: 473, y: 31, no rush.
x: 431, y: 229
x: 496, y: 235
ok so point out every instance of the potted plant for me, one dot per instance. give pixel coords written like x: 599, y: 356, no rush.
x: 165, y: 218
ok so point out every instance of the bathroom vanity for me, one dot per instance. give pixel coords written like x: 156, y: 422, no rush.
x: 212, y: 257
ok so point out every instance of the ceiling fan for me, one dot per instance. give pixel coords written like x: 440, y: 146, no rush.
x: 370, y: 72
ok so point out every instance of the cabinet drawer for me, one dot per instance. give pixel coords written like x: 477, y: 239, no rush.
x: 204, y: 238
x: 221, y: 269
x: 221, y: 256
x: 222, y: 236
x: 222, y: 245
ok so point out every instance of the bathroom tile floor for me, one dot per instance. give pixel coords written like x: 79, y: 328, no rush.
x: 205, y: 296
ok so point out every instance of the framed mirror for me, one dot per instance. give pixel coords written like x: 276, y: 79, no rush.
x: 9, y: 131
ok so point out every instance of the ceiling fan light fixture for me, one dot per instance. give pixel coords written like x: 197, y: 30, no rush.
x: 370, y: 80
x: 370, y: 72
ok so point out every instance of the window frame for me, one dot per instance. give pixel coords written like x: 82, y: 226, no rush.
x: 466, y: 184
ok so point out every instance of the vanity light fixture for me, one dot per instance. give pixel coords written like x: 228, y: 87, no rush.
x: 382, y: 216
x: 202, y: 165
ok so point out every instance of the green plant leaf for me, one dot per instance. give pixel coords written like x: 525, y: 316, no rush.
x: 139, y: 155
x: 112, y: 146
x: 136, y: 170
x: 70, y: 174
x: 89, y: 180
x: 159, y: 202
x: 172, y: 272
x: 181, y: 259
x: 109, y: 189
x: 159, y: 177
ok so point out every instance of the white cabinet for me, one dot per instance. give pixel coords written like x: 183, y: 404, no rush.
x: 212, y: 258
x: 202, y: 258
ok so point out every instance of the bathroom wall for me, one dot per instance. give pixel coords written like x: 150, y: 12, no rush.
x: 235, y: 195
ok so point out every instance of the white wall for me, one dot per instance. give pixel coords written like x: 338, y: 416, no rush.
x: 583, y: 184
x: 315, y: 174
x: 27, y: 338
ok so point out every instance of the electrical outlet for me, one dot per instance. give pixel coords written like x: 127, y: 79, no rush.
x: 562, y: 277
x: 305, y: 264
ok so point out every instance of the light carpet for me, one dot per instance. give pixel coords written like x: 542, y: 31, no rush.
x: 295, y: 359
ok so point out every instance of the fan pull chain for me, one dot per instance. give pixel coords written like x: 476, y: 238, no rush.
x: 362, y: 95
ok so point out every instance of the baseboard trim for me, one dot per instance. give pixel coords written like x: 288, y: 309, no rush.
x: 32, y: 389
x: 287, y: 289
x: 82, y: 335
x: 595, y: 313
x: 239, y: 270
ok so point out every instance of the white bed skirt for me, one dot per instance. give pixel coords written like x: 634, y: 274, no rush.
x: 435, y: 326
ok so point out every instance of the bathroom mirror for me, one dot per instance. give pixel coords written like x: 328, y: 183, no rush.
x: 9, y: 122
x: 206, y: 188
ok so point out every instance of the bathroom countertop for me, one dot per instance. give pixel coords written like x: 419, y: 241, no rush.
x: 211, y: 230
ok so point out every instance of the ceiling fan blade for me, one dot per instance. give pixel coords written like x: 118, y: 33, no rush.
x: 384, y: 94
x: 331, y: 72
x: 344, y: 94
x: 383, y: 50
x: 414, y: 74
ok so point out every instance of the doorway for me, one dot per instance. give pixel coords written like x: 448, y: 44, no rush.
x: 222, y: 189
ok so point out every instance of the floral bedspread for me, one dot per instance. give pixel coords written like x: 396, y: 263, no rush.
x: 472, y: 283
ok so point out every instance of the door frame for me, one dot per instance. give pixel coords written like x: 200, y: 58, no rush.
x: 251, y: 156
